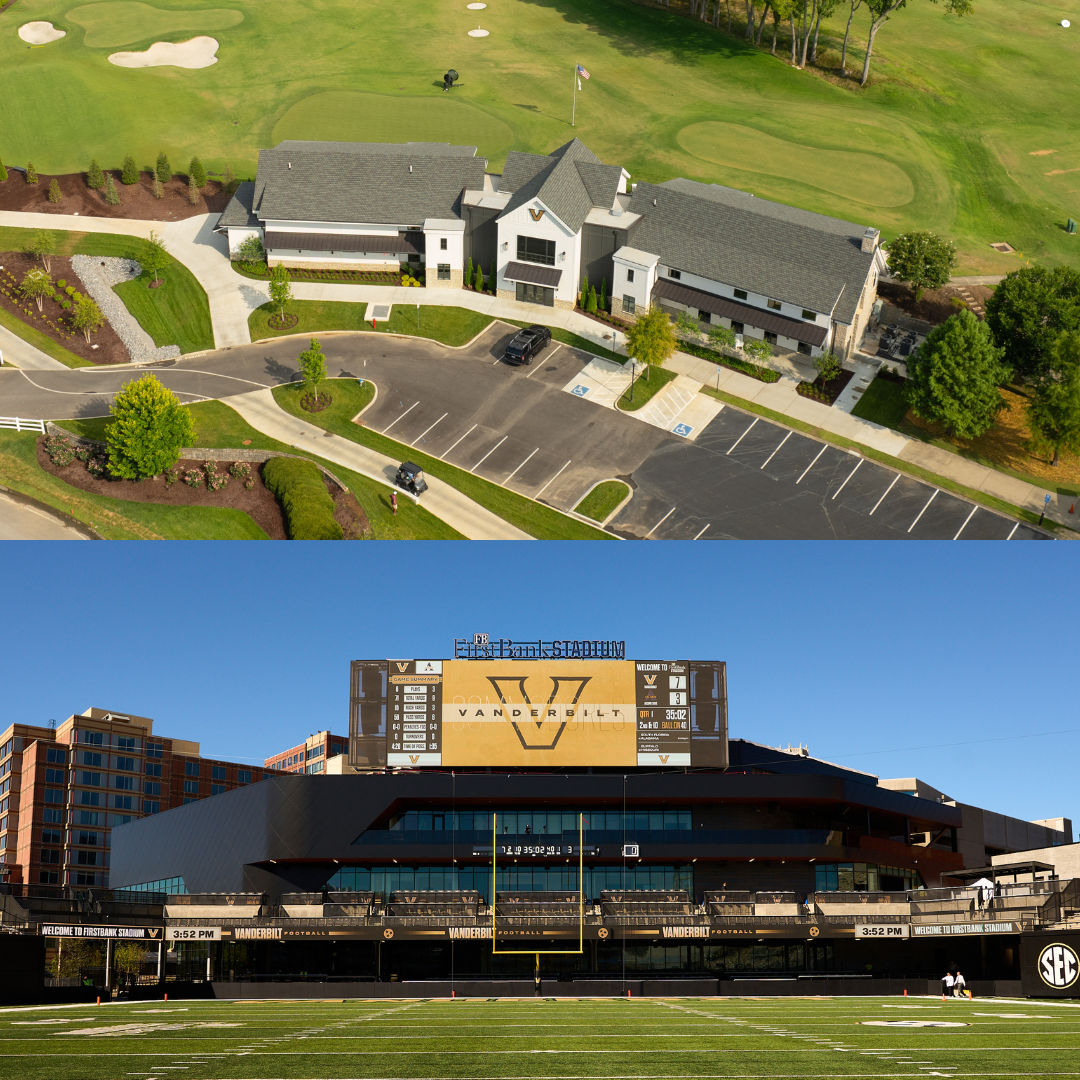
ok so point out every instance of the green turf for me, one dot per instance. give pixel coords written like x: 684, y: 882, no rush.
x: 948, y: 135
x: 645, y: 387
x: 603, y: 498
x: 531, y: 517
x: 882, y: 402
x: 545, y: 1039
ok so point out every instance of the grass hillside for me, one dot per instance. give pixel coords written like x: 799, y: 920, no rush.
x: 969, y: 126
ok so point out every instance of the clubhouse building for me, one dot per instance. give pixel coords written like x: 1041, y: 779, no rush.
x: 803, y: 282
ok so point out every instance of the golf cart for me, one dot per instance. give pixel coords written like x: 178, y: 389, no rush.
x: 410, y: 478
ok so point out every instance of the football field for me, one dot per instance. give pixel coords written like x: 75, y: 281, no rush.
x: 545, y: 1039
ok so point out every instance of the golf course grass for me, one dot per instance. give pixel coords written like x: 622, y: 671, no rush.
x: 552, y: 1038
x: 967, y: 128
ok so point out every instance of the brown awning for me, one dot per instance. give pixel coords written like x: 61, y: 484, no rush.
x: 411, y: 243
x: 531, y: 274
x: 760, y: 318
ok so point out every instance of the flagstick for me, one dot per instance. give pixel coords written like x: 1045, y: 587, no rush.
x: 573, y: 113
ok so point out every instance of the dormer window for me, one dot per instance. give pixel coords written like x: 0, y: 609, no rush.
x: 740, y: 294
x: 774, y: 304
x: 673, y: 273
x: 811, y: 316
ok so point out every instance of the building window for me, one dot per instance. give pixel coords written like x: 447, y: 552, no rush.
x: 630, y: 277
x: 127, y: 764
x: 151, y: 807
x: 90, y: 779
x: 87, y: 817
x: 51, y: 836
x: 53, y: 776
x: 55, y: 756
x: 217, y: 772
x: 153, y: 750
x: 49, y: 877
x: 89, y: 798
x: 89, y: 839
x: 442, y: 243
x: 191, y: 787
x: 804, y: 348
x: 86, y: 858
x: 85, y: 877
x: 535, y: 294
x: 444, y: 271
x: 189, y: 799
x: 91, y: 759
x: 153, y: 768
x: 244, y: 776
x: 124, y: 783
x: 217, y: 789
x: 533, y: 249
x: 628, y: 305
x: 810, y: 315
x: 123, y: 802
x: 53, y: 817
x: 770, y: 338
x: 740, y: 294
x: 125, y: 744
x: 774, y: 304
x: 191, y: 768
x: 50, y: 856
x: 91, y: 738
x: 704, y: 316
x: 676, y: 274
x: 737, y: 327
x: 151, y: 787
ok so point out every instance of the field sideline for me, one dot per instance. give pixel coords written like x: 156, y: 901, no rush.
x: 547, y: 1039
x: 969, y: 130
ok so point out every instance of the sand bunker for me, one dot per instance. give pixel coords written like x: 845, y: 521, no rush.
x: 40, y: 33
x: 196, y: 53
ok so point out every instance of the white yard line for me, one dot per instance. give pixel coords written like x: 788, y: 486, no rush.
x: 437, y: 422
x: 741, y: 437
x: 966, y: 520
x: 777, y: 450
x: 549, y: 483
x: 886, y: 492
x: 405, y: 413
x: 489, y: 453
x: 937, y: 491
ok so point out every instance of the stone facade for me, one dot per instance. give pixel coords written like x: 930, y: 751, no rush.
x: 431, y: 279
x: 617, y: 310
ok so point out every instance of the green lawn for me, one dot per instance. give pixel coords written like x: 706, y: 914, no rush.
x: 537, y: 520
x: 645, y: 389
x: 882, y: 402
x: 602, y: 499
x: 177, y: 313
x: 777, y: 1038
x: 966, y: 128
x: 220, y: 427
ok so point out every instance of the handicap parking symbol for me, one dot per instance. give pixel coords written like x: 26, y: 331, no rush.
x: 579, y: 390
x: 682, y: 429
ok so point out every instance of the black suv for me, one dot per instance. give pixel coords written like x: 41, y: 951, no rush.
x: 525, y: 344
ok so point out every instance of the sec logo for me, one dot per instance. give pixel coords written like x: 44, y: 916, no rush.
x: 1059, y: 966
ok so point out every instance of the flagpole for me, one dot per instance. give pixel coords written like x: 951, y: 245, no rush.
x: 573, y: 112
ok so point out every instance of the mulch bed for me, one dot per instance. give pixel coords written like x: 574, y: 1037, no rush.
x: 260, y: 272
x: 259, y: 503
x: 51, y: 320
x: 136, y: 200
x: 935, y: 305
x: 282, y: 322
x: 309, y: 404
x: 828, y: 392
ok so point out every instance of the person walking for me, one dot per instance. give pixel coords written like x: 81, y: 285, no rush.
x: 946, y: 985
x: 393, y: 502
x: 960, y: 986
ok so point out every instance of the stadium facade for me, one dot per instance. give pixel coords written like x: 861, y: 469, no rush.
x: 519, y: 809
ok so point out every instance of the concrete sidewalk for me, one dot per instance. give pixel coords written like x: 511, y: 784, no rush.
x: 23, y: 355
x: 472, y: 520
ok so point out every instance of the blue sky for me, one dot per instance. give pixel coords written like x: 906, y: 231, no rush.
x: 872, y: 654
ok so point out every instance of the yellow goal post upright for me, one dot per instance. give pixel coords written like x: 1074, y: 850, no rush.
x: 581, y: 901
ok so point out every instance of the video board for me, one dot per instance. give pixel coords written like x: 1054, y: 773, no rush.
x: 523, y: 713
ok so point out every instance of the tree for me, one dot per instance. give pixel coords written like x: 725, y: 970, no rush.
x: 112, y: 196
x: 228, y: 181
x: 74, y: 955
x: 722, y: 337
x: 313, y: 366
x: 157, y: 189
x: 827, y: 366
x: 603, y: 294
x: 55, y: 194
x: 650, y: 339
x: 583, y: 299
x: 1054, y: 413
x: 478, y: 282
x: 855, y: 5
x: 129, y: 171
x: 251, y: 250
x: 154, y: 256
x: 163, y: 170
x: 880, y: 12
x: 922, y: 259
x: 31, y: 173
x: 757, y: 348
x: 192, y: 192
x: 493, y: 277
x: 196, y: 173
x: 280, y: 290
x: 3, y: 173
x: 469, y: 272
x: 1029, y: 311
x: 128, y: 957
x: 148, y: 429
x: 686, y: 324
x: 954, y: 376
x: 86, y: 315
x: 590, y: 304
x: 36, y: 285
x: 95, y: 178
x: 42, y: 245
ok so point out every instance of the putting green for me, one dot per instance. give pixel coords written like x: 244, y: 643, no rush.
x: 864, y: 178
x: 126, y: 22
x: 346, y: 116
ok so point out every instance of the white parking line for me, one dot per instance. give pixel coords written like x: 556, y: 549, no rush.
x: 824, y: 447
x: 466, y: 435
x: 774, y: 453
x: 741, y: 437
x: 966, y: 520
x: 937, y: 491
x: 1014, y: 528
x: 848, y: 477
x: 548, y: 357
x: 405, y: 413
x: 702, y: 533
x: 514, y: 473
x: 660, y: 522
x: 549, y: 483
x: 884, y: 493
x: 439, y: 421
x: 489, y: 453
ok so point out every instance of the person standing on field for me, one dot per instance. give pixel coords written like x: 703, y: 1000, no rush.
x: 960, y: 986
x: 946, y: 985
x: 393, y: 502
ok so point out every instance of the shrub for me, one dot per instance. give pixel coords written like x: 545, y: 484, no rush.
x: 590, y: 305
x: 251, y: 251
x: 60, y: 450
x: 193, y: 478
x: 129, y: 171
x: 240, y: 470
x: 31, y: 173
x: 149, y: 427
x: 112, y: 196
x: 54, y: 195
x: 478, y: 282
x: 163, y: 170
x: 61, y: 283
x: 171, y: 476
x: 215, y: 481
x: 3, y: 172
x: 95, y: 178
x: 157, y: 189
x: 196, y: 173
x: 229, y: 181
x: 193, y: 192
x: 249, y: 483
x: 309, y: 509
x: 97, y: 465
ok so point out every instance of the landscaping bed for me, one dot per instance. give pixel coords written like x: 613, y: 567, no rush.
x: 746, y: 367
x: 825, y: 392
x: 260, y: 272
x: 935, y: 305
x: 603, y: 499
x: 645, y: 388
x: 136, y: 200
x: 51, y: 320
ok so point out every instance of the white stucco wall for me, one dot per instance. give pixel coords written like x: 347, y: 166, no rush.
x: 238, y: 236
x: 567, y: 247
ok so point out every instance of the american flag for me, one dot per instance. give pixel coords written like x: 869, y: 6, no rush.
x: 582, y: 72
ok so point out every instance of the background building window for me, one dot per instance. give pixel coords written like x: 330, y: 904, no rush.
x: 740, y: 294
x: 153, y: 750
x: 56, y: 756
x: 628, y: 305
x: 811, y: 315
x: 535, y: 250
x: 91, y: 759
x: 244, y: 776
x: 444, y: 271
x: 630, y: 276
x: 704, y: 316
x: 153, y: 768
x: 774, y: 304
x: 191, y: 787
x: 123, y: 802
x: 151, y: 787
x: 673, y: 273
x: 217, y: 789
x: 804, y: 348
x: 770, y: 338
x: 737, y: 327
x: 217, y: 772
x: 442, y: 243
x: 151, y: 807
x: 124, y: 783
x: 191, y: 768
x: 127, y: 764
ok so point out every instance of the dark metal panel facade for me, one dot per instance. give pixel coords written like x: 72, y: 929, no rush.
x: 598, y: 244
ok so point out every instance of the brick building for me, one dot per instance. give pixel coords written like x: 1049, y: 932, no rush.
x: 311, y: 755
x: 62, y: 791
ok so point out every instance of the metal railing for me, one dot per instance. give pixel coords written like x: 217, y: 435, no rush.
x: 20, y: 423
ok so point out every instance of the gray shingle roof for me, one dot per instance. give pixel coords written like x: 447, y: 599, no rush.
x: 805, y: 259
x: 570, y: 182
x: 238, y: 213
x: 357, y: 184
x: 427, y: 149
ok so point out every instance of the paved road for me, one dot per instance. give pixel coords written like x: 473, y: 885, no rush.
x: 743, y: 477
x: 24, y: 521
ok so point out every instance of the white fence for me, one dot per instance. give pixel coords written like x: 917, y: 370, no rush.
x: 20, y: 423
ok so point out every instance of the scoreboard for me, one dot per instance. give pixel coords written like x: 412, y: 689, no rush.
x: 521, y: 713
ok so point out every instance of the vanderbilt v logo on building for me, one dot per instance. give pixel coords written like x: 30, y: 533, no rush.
x: 536, y: 214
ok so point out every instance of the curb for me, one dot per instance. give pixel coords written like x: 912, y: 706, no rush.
x: 65, y: 518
